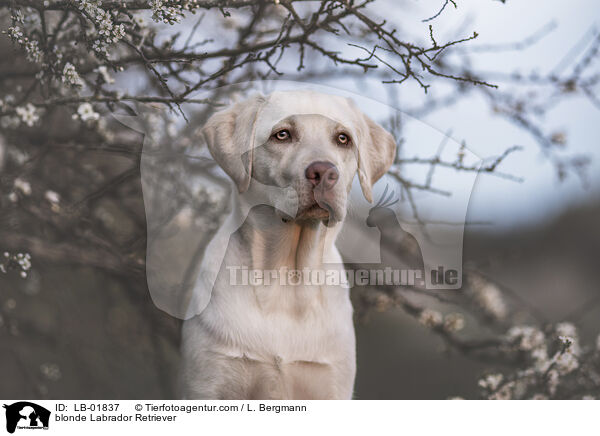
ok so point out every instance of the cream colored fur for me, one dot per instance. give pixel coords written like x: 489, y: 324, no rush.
x: 282, y: 341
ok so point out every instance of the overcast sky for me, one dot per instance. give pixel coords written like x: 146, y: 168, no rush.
x: 540, y: 196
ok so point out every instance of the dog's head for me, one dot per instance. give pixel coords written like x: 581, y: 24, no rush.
x: 314, y: 143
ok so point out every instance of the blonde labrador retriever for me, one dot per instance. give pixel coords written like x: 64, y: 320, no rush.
x: 283, y: 340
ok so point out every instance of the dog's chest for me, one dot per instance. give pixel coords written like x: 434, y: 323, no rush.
x: 292, y: 323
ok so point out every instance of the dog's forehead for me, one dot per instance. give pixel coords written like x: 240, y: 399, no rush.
x: 311, y: 121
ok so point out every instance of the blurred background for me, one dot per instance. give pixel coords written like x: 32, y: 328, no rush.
x: 512, y: 83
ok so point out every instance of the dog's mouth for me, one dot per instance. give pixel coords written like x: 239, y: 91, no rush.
x: 313, y: 212
x: 316, y: 208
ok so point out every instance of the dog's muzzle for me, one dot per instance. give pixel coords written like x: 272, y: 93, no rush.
x: 323, y: 177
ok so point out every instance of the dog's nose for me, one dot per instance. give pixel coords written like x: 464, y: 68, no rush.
x: 322, y: 172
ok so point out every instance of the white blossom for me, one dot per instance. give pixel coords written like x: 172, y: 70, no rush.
x: 454, y: 322
x: 489, y: 297
x: 29, y: 114
x: 52, y: 197
x: 86, y: 112
x: 32, y: 48
x: 566, y: 329
x: 526, y: 338
x: 430, y: 318
x: 51, y: 371
x: 105, y: 24
x: 71, y: 76
x: 24, y: 261
x: 567, y: 334
x: 22, y: 185
x: 118, y: 33
x: 19, y: 156
x: 504, y: 393
x: 566, y: 340
x: 16, y: 34
x: 18, y: 16
x: 139, y: 21
x: 540, y: 359
x: 491, y: 381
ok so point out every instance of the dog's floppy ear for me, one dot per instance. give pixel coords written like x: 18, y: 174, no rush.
x: 376, y: 153
x: 230, y: 136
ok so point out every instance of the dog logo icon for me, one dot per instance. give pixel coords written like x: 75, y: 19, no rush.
x: 26, y: 415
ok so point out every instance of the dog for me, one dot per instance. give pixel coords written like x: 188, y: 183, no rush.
x: 284, y: 340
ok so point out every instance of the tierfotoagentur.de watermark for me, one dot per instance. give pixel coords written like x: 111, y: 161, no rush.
x: 245, y: 276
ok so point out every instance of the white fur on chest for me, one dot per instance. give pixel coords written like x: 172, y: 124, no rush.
x: 291, y: 323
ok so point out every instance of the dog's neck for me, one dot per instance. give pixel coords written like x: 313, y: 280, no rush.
x: 271, y: 242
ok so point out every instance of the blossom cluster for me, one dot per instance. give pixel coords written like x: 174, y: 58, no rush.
x: 164, y: 13
x: 105, y: 31
x: 31, y: 46
x: 452, y: 322
x: 19, y: 261
x: 551, y: 359
x: 71, y: 76
x: 488, y: 297
x: 171, y: 12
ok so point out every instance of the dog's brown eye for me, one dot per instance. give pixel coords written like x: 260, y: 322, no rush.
x: 282, y: 135
x: 343, y: 139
